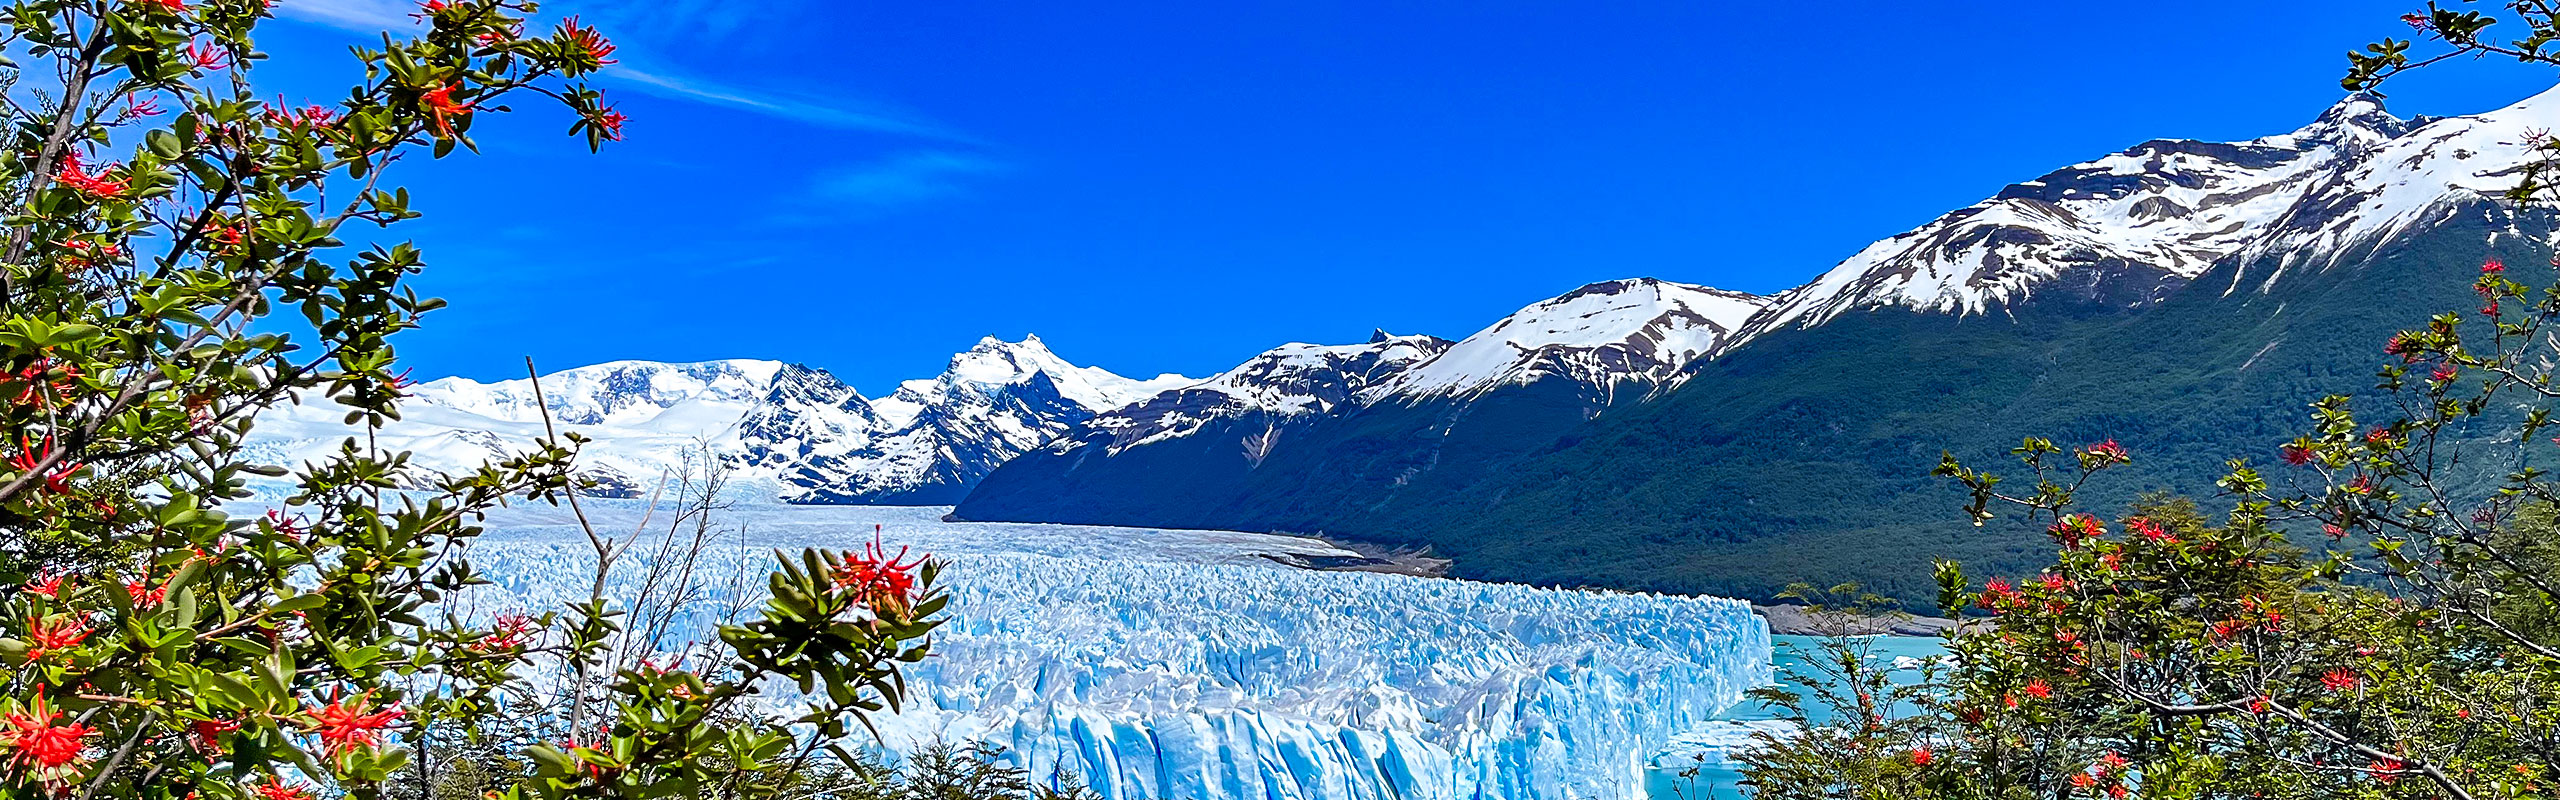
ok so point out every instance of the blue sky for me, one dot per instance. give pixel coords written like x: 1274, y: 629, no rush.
x: 1161, y: 186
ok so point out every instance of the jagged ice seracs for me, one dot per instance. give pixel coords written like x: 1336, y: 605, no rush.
x: 1192, y: 664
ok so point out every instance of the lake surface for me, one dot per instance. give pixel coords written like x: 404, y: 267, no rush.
x: 1716, y: 779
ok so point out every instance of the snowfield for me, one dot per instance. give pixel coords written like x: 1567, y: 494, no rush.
x: 1188, y: 664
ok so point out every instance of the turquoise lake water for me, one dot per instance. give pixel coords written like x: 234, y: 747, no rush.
x: 1718, y: 782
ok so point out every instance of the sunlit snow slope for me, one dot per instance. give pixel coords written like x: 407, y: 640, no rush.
x: 1186, y: 664
x: 794, y: 432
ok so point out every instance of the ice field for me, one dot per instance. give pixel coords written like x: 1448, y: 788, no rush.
x: 1186, y: 664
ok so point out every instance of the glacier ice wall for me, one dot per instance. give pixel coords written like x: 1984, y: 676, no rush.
x: 1185, y: 664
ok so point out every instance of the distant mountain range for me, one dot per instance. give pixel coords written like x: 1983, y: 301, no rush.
x: 2178, y: 295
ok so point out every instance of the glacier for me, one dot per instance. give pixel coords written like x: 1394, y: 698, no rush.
x: 1195, y: 664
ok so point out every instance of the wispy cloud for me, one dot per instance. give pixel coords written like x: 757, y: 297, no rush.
x: 906, y: 178
x: 816, y: 111
x: 367, y: 16
x: 355, y: 15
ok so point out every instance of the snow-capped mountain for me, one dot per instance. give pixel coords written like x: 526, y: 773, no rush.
x: 2148, y: 295
x: 2128, y: 228
x: 798, y: 432
x: 1639, y: 331
x: 1283, y: 383
x: 932, y: 439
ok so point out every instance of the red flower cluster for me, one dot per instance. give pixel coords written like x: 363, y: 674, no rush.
x: 37, y: 377
x: 2077, y: 528
x: 348, y: 724
x: 2492, y: 266
x: 2108, y: 771
x: 209, y: 732
x: 95, y: 185
x: 46, y: 583
x: 610, y: 122
x: 207, y: 58
x: 145, y: 594
x: 45, y: 636
x: 511, y: 631
x: 880, y: 580
x: 45, y: 751
x: 2108, y: 451
x: 2149, y: 530
x: 287, y: 527
x: 30, y: 459
x: 2400, y: 346
x: 2386, y: 770
x: 311, y: 116
x: 587, y: 41
x: 2295, y: 454
x: 2341, y: 680
x: 1997, y: 595
x: 276, y: 789
x: 1920, y: 757
x: 442, y: 108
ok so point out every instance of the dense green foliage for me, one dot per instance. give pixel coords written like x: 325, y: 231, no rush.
x: 160, y: 216
x: 2167, y: 653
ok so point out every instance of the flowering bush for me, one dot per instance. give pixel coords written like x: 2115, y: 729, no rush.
x: 2374, y: 615
x: 154, y: 646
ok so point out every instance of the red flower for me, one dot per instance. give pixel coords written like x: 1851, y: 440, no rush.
x: 46, y: 583
x: 2077, y: 528
x: 61, y: 632
x: 137, y: 107
x: 47, y: 752
x: 2386, y: 770
x: 2418, y: 22
x: 2055, y: 583
x: 97, y: 185
x: 2147, y: 529
x: 2295, y: 454
x: 2084, y: 780
x: 276, y: 789
x: 880, y: 580
x: 171, y: 6
x: 2341, y: 680
x: 209, y: 732
x: 206, y: 58
x: 2038, y: 689
x: 2400, y: 347
x: 2333, y: 532
x: 2108, y: 450
x: 510, y: 632
x: 2446, y: 371
x: 312, y: 116
x: 346, y: 725
x: 2492, y: 266
x: 441, y: 108
x: 2361, y: 485
x: 610, y: 123
x: 146, y: 594
x: 586, y: 42
x: 1920, y: 757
